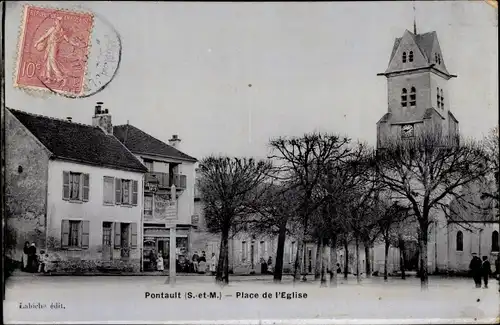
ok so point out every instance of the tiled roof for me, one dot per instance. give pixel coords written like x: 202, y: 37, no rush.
x: 395, y: 47
x: 426, y: 42
x: 139, y: 141
x: 79, y: 142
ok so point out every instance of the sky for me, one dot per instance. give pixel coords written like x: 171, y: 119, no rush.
x: 186, y: 69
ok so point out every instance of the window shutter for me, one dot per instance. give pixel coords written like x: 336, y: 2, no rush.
x: 118, y: 236
x: 85, y: 233
x: 118, y: 191
x: 135, y: 187
x: 65, y: 233
x: 86, y: 184
x: 133, y: 240
x: 65, y: 185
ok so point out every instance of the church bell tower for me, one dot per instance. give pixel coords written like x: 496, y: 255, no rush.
x: 417, y: 86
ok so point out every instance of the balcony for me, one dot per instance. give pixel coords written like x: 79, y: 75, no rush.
x: 165, y: 180
x: 162, y: 179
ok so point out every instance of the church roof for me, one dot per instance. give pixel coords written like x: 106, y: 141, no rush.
x: 425, y: 43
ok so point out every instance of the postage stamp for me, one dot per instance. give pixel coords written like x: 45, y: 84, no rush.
x: 53, y: 50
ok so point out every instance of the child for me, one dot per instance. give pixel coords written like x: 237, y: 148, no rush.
x: 159, y: 262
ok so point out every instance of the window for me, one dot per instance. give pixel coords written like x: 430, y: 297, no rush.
x: 126, y: 192
x: 413, y: 96
x: 243, y: 251
x: 404, y: 97
x: 148, y: 205
x: 404, y: 57
x: 494, y: 241
x: 437, y: 58
x: 292, y: 253
x: 410, y: 56
x: 106, y: 234
x: 460, y: 241
x: 149, y: 165
x: 108, y: 190
x: 75, y: 234
x: 75, y: 186
x: 438, y: 98
x: 125, y: 237
x: 442, y: 98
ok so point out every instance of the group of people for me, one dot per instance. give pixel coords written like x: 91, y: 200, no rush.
x: 200, y: 263
x: 481, y: 270
x: 33, y: 262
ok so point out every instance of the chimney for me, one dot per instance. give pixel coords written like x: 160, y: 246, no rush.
x: 102, y: 119
x: 69, y: 118
x: 175, y: 141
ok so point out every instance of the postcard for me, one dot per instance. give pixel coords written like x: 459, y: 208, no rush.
x: 250, y: 162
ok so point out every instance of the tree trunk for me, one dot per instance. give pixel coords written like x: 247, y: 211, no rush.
x: 422, y: 244
x: 346, y: 258
x: 402, y: 255
x: 324, y: 261
x: 333, y: 262
x: 317, y: 266
x: 298, y: 260
x: 368, y: 265
x: 358, y: 275
x: 222, y: 265
x: 386, y: 258
x: 278, y: 268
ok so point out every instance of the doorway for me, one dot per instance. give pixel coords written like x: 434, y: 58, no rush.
x: 252, y: 250
x: 107, y: 249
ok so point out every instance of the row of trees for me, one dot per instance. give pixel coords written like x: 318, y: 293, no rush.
x: 325, y: 188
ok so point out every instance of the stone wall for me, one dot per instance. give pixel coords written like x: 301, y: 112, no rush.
x: 26, y: 168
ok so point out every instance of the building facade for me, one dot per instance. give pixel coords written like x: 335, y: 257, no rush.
x: 168, y: 193
x: 74, y: 190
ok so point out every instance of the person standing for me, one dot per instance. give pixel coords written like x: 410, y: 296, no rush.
x: 213, y: 263
x: 486, y: 271
x: 24, y: 266
x: 152, y: 259
x: 159, y: 262
x: 32, y: 265
x: 195, y: 261
x: 475, y: 267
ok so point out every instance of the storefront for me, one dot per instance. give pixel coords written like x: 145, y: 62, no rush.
x: 159, y: 210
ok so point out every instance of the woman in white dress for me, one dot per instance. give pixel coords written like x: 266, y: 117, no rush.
x: 159, y: 262
x: 213, y: 263
x: 25, y: 256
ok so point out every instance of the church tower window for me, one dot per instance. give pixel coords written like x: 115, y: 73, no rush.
x: 410, y: 56
x: 494, y: 241
x: 413, y: 96
x: 460, y: 241
x: 442, y: 98
x: 404, y: 57
x: 438, y: 97
x: 404, y: 98
x: 437, y: 58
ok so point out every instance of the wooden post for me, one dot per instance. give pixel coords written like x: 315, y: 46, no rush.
x: 173, y: 242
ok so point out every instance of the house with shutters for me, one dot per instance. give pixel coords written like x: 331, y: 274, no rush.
x: 74, y: 190
x: 168, y: 192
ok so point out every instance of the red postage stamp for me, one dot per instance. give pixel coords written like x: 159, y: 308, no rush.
x: 53, y: 50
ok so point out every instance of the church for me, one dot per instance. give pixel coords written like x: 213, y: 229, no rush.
x: 418, y: 101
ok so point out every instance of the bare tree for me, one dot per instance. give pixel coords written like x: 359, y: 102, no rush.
x: 428, y: 171
x: 303, y: 160
x: 391, y: 215
x: 226, y: 186
x: 274, y: 216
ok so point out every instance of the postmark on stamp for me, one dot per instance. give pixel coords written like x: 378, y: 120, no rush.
x: 73, y: 53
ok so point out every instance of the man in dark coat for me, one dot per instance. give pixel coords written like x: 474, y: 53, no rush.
x: 32, y: 260
x: 486, y: 271
x: 475, y: 267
